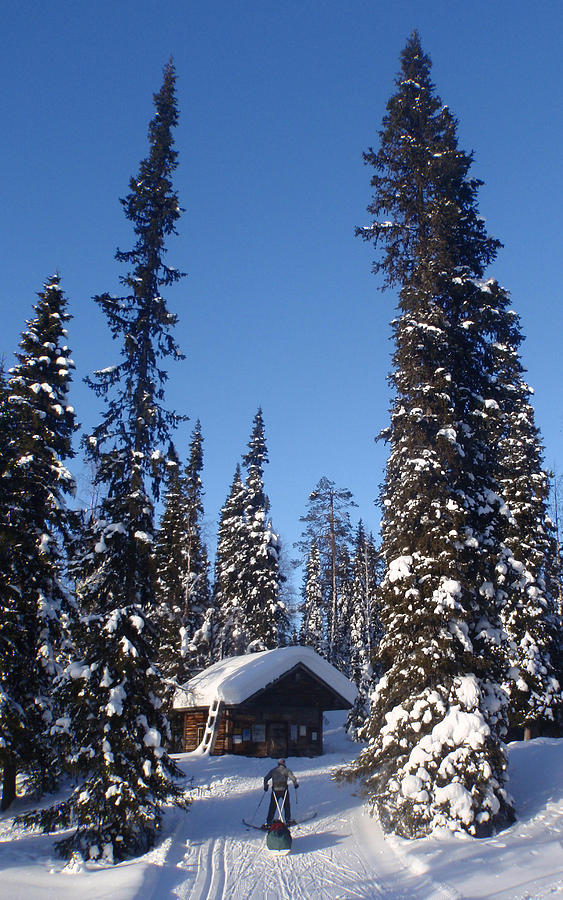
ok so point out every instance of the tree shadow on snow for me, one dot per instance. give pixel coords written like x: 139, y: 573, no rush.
x: 534, y: 781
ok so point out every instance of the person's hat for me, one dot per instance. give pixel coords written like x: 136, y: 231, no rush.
x: 281, y: 762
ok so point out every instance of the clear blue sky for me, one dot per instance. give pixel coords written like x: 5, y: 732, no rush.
x: 277, y: 103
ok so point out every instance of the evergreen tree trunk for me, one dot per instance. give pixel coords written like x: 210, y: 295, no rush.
x: 8, y: 785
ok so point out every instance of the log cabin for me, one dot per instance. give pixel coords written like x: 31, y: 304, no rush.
x: 267, y: 704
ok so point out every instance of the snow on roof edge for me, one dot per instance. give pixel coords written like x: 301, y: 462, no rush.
x: 235, y: 679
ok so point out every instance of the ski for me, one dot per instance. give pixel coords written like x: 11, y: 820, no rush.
x: 250, y: 825
x: 291, y: 825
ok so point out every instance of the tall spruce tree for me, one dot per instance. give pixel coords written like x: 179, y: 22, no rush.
x: 197, y: 593
x: 113, y: 690
x: 312, y: 633
x: 556, y: 573
x: 529, y: 605
x: 555, y: 493
x: 182, y: 567
x: 364, y: 628
x: 265, y: 613
x: 229, y: 635
x: 327, y: 521
x: 248, y: 612
x: 435, y: 755
x: 170, y: 568
x: 37, y: 424
x: 342, y: 647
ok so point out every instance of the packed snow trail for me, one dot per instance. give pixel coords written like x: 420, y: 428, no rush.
x: 339, y: 855
x: 208, y: 853
x: 332, y: 857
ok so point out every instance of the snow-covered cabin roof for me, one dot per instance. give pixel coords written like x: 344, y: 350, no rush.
x: 234, y: 680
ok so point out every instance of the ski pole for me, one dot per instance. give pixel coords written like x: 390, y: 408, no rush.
x: 258, y: 807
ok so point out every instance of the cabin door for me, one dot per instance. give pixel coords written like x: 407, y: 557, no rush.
x: 277, y: 742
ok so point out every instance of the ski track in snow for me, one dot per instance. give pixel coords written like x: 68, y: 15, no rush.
x: 339, y: 855
x: 327, y: 860
x: 209, y: 854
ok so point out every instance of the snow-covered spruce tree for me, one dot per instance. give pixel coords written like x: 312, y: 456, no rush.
x: 248, y: 612
x: 265, y: 613
x: 229, y: 635
x: 555, y: 495
x: 341, y: 643
x: 311, y: 633
x: 556, y: 573
x: 113, y: 690
x: 367, y: 573
x: 435, y: 755
x: 182, y: 567
x: 6, y: 430
x: 364, y: 627
x: 341, y: 649
x: 528, y: 612
x: 327, y: 521
x: 37, y: 424
x: 170, y: 567
x: 197, y: 592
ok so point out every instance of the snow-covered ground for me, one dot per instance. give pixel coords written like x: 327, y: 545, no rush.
x: 208, y: 854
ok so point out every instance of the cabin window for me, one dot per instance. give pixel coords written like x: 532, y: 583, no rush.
x: 293, y: 732
x: 302, y: 731
x: 259, y: 733
x: 314, y: 736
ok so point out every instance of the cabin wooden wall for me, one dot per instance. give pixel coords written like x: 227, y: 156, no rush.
x: 193, y: 720
x: 300, y: 730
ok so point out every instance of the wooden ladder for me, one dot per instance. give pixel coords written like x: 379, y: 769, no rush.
x: 212, y: 727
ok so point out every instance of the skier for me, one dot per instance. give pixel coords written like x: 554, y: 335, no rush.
x: 280, y: 790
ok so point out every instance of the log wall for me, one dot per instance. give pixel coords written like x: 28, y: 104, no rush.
x: 289, y: 731
x: 194, y: 720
